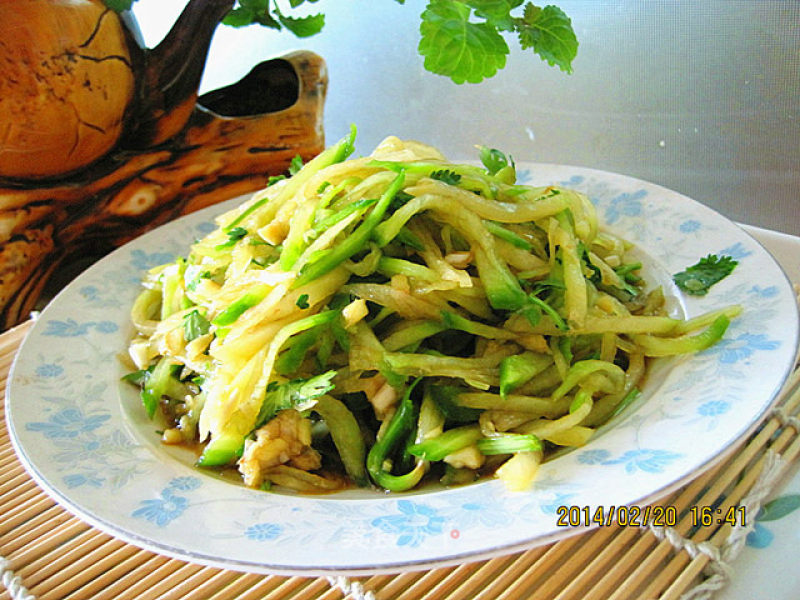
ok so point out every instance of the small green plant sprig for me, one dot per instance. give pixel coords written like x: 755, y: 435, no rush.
x: 464, y: 40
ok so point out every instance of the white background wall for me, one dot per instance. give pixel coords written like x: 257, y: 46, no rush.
x: 702, y: 96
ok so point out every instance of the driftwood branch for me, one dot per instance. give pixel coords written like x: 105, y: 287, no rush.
x: 235, y: 139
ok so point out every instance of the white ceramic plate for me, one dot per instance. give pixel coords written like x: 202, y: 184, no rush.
x: 83, y: 436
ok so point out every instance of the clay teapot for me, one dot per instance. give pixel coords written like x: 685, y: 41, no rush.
x: 76, y: 82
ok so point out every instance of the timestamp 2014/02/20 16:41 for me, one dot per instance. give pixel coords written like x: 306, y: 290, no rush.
x: 637, y: 516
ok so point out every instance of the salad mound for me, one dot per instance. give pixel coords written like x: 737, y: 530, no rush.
x: 396, y: 318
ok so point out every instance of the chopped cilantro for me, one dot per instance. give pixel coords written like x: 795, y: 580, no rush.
x: 446, y: 176
x: 295, y: 165
x: 697, y: 279
x: 192, y: 285
x: 138, y: 377
x: 400, y: 198
x: 494, y: 160
x: 234, y: 235
x: 299, y: 394
x: 195, y: 325
x: 302, y: 301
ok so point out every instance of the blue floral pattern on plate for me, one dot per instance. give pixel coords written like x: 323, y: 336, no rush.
x: 85, y: 438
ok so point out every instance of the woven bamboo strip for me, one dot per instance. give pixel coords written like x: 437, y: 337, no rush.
x: 312, y: 588
x: 16, y: 477
x: 99, y: 574
x: 292, y: 588
x: 37, y: 527
x: 126, y: 563
x: 570, y: 568
x: 581, y: 583
x: 398, y: 585
x: 7, y: 450
x: 8, y: 458
x: 191, y: 587
x: 261, y: 588
x: 133, y: 584
x: 25, y: 512
x: 8, y: 462
x: 204, y: 577
x: 469, y: 587
x: 18, y: 500
x: 45, y: 559
x: 335, y: 593
x: 535, y: 561
x: 375, y: 582
x: 86, y: 563
x: 221, y: 585
x: 476, y: 573
x: 425, y: 582
x: 19, y: 508
x: 422, y: 582
x: 242, y: 583
x: 551, y: 561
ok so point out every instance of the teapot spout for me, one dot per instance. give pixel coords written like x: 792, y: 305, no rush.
x: 171, y: 74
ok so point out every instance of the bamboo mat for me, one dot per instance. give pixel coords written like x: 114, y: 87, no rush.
x: 51, y: 555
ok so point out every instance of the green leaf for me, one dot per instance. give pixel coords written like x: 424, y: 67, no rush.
x: 303, y: 27
x: 697, y: 279
x: 446, y: 176
x: 234, y: 235
x: 457, y: 48
x: 496, y: 12
x: 192, y: 285
x: 779, y: 507
x: 296, y: 164
x: 195, y: 325
x: 119, y: 5
x: 138, y: 378
x: 239, y: 17
x: 540, y: 304
x: 299, y: 394
x: 548, y: 32
x: 302, y: 301
x: 494, y: 160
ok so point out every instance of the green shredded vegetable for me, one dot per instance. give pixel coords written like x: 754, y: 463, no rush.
x: 399, y: 318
